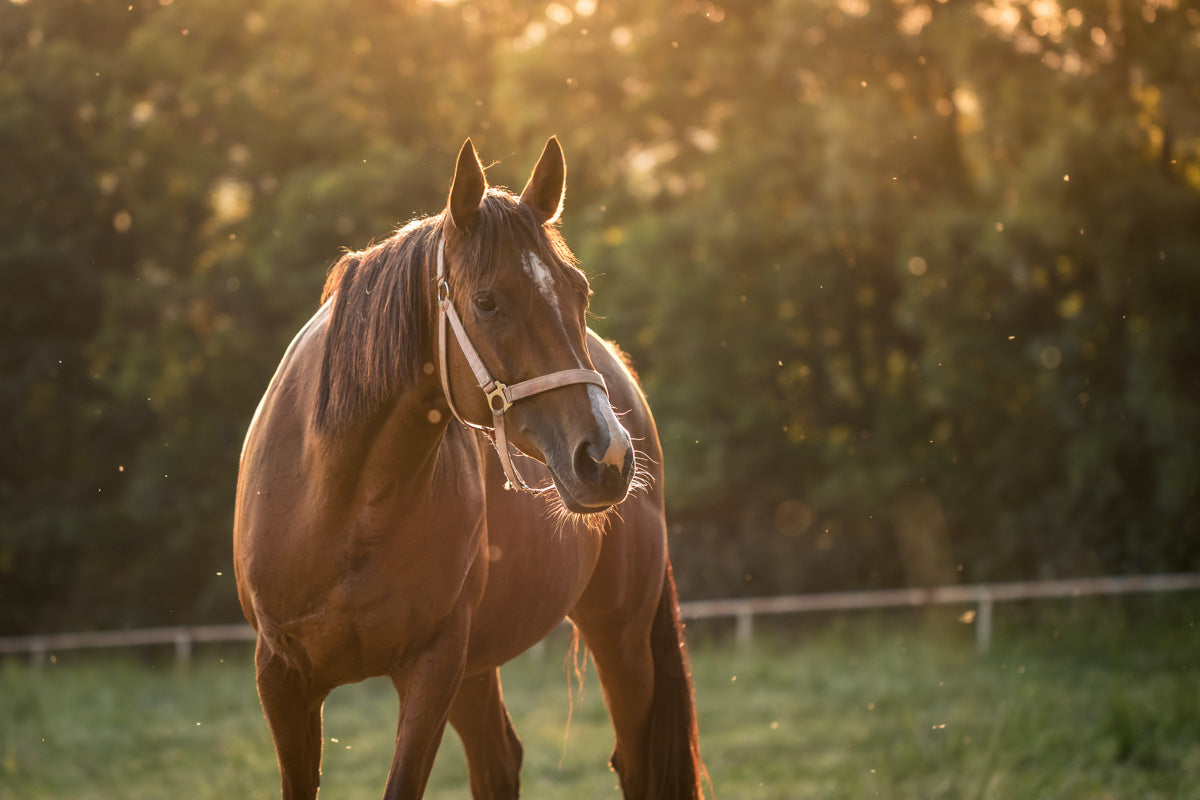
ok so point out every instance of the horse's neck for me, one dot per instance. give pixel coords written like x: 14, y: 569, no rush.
x: 396, y: 448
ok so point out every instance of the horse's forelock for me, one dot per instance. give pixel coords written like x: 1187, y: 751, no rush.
x: 505, y: 228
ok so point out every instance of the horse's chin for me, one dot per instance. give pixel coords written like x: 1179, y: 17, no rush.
x: 574, y: 504
x: 565, y: 511
x: 569, y: 502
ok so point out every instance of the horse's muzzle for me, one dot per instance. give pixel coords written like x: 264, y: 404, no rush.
x: 601, y: 472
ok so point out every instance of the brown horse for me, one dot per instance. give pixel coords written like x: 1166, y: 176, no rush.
x: 376, y: 535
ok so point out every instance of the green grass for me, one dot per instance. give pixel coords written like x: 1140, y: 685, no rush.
x: 1080, y: 699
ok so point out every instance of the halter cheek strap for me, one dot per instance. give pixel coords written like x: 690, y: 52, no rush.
x: 500, y: 396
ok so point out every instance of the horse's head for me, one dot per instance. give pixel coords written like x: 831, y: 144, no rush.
x: 516, y: 306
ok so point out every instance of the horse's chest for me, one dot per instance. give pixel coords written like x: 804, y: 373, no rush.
x: 392, y: 584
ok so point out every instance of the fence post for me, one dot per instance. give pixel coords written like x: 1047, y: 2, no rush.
x: 744, y: 633
x: 183, y: 647
x: 983, y: 622
x: 37, y: 654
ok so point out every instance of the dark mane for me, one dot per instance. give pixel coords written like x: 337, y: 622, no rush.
x: 377, y: 327
x: 380, y: 331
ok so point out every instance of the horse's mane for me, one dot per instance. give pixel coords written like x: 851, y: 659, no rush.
x: 380, y: 332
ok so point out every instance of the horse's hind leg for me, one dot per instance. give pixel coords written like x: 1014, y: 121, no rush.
x: 639, y: 653
x: 493, y: 750
x: 293, y: 710
x: 623, y: 659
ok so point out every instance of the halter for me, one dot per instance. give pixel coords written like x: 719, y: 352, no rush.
x: 500, y: 397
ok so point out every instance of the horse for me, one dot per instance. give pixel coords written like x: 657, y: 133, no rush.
x: 447, y: 464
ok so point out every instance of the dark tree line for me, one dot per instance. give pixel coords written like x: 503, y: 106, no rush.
x: 911, y: 284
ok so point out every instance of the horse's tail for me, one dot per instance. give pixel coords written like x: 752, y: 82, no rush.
x: 676, y: 769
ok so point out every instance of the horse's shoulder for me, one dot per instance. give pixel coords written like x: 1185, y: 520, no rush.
x: 289, y: 389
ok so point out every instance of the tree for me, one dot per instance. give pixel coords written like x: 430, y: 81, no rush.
x: 910, y: 284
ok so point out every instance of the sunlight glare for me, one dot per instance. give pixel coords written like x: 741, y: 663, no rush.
x: 559, y: 14
x: 914, y: 20
x: 1002, y: 15
x: 855, y: 8
x: 230, y: 200
x: 533, y: 35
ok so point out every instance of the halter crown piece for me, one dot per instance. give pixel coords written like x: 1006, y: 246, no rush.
x: 500, y: 397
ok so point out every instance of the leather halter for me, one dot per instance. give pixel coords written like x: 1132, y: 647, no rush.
x: 500, y: 397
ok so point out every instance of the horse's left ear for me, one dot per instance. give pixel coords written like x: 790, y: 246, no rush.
x: 548, y: 183
x: 467, y: 188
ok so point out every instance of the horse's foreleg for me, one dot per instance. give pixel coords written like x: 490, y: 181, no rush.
x: 427, y: 684
x: 293, y: 710
x: 493, y: 750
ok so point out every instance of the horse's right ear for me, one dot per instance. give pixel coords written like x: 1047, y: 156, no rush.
x: 467, y: 188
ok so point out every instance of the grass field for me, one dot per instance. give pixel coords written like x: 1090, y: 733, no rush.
x: 1079, y: 699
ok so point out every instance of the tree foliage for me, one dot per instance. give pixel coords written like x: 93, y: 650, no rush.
x: 910, y: 284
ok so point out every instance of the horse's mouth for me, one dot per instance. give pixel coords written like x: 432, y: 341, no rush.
x: 567, y: 507
x: 577, y: 506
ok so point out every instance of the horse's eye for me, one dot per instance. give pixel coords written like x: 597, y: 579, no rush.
x: 485, y: 303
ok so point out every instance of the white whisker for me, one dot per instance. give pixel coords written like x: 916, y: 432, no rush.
x: 562, y: 517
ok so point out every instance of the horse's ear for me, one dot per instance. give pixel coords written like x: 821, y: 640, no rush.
x: 548, y: 183
x: 467, y: 188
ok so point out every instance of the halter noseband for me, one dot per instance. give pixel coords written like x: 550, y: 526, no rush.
x: 500, y: 397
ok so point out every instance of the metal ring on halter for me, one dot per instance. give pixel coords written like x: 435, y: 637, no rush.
x: 499, y: 393
x: 500, y: 397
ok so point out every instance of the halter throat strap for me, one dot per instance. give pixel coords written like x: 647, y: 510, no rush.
x: 500, y: 396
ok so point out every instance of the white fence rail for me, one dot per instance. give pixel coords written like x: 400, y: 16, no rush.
x: 983, y: 596
x: 742, y: 610
x: 38, y: 646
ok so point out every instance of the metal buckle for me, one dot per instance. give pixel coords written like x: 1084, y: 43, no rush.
x: 500, y: 392
x: 443, y: 292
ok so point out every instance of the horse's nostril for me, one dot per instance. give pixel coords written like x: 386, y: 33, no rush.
x: 587, y: 463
